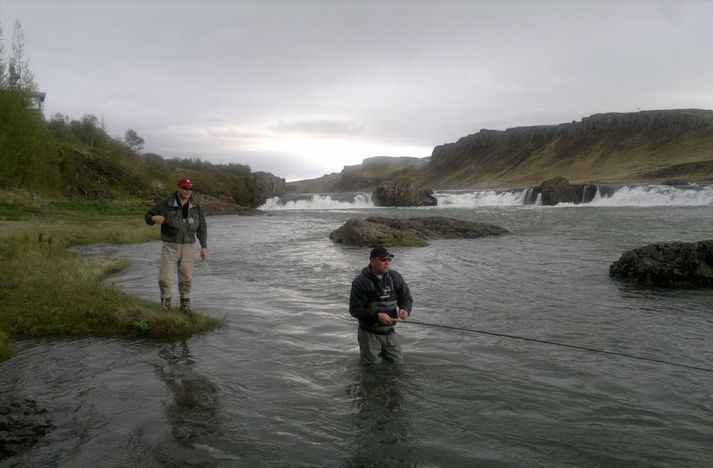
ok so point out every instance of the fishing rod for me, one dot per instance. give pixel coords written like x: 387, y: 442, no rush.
x: 554, y: 343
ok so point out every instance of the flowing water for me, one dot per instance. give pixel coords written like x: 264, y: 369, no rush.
x: 280, y: 385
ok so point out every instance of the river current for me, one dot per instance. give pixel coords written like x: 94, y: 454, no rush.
x: 280, y: 385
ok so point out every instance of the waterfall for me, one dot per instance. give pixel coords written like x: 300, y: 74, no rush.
x: 644, y: 195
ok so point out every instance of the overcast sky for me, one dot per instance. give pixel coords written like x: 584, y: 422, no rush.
x: 301, y: 88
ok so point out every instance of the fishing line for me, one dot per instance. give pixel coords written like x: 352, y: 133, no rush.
x: 554, y: 343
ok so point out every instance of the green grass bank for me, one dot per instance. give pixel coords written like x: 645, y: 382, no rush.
x: 48, y: 290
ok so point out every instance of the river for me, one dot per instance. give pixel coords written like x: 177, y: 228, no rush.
x: 280, y: 385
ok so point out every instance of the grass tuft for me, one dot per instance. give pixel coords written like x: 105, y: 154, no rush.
x: 7, y: 348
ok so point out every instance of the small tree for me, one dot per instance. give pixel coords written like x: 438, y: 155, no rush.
x: 19, y: 75
x: 133, y: 140
x: 89, y: 131
x: 28, y: 151
x: 3, y: 66
x: 59, y: 125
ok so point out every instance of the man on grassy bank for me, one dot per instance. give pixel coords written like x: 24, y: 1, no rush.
x: 182, y: 220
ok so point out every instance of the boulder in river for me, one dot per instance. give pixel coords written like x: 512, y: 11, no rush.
x: 382, y: 231
x: 559, y: 190
x: 402, y: 191
x: 667, y: 264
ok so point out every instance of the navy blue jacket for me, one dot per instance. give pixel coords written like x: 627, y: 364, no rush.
x: 366, y: 289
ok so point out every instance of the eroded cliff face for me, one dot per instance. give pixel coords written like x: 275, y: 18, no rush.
x: 645, y: 146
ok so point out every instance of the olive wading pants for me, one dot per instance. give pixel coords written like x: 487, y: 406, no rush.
x: 373, y: 346
x: 176, y: 257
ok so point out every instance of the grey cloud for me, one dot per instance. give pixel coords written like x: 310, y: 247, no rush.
x: 320, y: 126
x: 233, y: 133
x: 213, y: 78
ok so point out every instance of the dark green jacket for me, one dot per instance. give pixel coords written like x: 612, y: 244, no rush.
x: 176, y: 229
x: 370, y: 296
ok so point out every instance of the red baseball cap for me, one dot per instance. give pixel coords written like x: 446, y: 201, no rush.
x: 185, y: 183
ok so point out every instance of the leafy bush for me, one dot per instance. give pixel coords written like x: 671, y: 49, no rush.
x: 28, y: 152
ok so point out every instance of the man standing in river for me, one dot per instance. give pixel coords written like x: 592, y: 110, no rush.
x: 182, y: 220
x: 379, y: 294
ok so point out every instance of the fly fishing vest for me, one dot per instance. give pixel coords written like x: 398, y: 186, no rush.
x: 381, y: 298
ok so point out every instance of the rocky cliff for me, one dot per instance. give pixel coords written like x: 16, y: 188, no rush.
x: 645, y: 146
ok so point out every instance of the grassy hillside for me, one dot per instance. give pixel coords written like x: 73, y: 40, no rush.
x: 77, y: 158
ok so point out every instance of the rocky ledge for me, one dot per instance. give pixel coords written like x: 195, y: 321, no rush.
x: 683, y: 264
x: 381, y: 231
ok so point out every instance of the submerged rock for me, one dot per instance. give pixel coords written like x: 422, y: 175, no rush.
x: 22, y: 423
x: 381, y: 231
x: 667, y: 264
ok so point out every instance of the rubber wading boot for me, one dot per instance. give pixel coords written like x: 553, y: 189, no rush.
x: 165, y: 303
x: 186, y: 306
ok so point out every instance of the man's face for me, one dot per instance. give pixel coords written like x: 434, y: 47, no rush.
x: 184, y: 192
x: 380, y: 265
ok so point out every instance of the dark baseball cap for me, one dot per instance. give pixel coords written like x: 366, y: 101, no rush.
x: 380, y: 252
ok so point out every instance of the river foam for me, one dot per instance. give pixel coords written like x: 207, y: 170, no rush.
x: 645, y: 195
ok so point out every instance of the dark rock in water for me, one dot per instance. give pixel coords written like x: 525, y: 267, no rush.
x: 266, y: 186
x: 22, y: 423
x: 380, y: 231
x: 667, y: 264
x: 586, y: 193
x: 559, y: 190
x: 675, y: 182
x: 402, y: 191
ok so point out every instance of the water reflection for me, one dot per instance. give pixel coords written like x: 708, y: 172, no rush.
x: 383, y: 435
x: 193, y: 412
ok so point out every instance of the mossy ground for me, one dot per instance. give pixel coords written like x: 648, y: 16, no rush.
x: 48, y: 290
